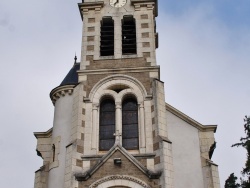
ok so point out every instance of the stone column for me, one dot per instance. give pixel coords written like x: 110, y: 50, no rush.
x: 142, y: 125
x: 118, y: 120
x: 94, y: 126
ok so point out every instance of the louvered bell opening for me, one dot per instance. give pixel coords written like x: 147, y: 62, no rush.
x: 107, y: 37
x: 128, y: 35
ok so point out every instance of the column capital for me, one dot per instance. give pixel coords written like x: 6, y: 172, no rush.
x: 141, y: 105
x: 95, y: 106
x: 118, y: 105
x: 117, y: 135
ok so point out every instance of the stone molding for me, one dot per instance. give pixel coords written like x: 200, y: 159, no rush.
x: 46, y: 134
x: 108, y: 81
x: 119, y: 177
x: 137, y: 156
x: 120, y: 70
x: 61, y: 91
x: 44, y: 144
x: 117, y: 147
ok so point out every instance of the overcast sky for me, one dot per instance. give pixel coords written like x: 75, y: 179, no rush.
x: 204, y: 54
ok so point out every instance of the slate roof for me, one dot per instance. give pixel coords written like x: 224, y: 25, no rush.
x: 71, y: 78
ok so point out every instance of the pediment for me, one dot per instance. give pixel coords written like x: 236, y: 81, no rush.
x: 128, y: 163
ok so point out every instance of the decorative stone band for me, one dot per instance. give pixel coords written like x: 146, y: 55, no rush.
x: 60, y: 92
x: 119, y: 177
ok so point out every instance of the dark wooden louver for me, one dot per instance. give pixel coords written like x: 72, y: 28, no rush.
x: 130, y: 124
x: 107, y: 37
x: 107, y: 125
x: 128, y: 35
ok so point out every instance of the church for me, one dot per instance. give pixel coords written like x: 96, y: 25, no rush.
x: 112, y: 127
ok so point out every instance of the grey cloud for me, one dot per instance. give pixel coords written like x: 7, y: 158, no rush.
x: 4, y: 22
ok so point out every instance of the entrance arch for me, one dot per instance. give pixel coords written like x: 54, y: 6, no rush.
x: 119, y: 181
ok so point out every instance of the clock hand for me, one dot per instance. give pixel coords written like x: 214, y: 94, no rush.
x: 117, y: 1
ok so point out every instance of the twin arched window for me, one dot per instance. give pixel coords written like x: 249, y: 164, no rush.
x: 107, y: 38
x: 129, y: 124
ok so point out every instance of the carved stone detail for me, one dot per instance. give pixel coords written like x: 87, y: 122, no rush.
x: 119, y: 177
x: 61, y: 92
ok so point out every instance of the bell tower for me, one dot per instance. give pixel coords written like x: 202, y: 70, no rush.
x: 121, y: 29
x: 111, y: 125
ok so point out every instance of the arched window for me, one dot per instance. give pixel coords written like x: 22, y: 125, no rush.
x: 128, y: 35
x: 107, y: 37
x: 130, y: 124
x: 107, y: 124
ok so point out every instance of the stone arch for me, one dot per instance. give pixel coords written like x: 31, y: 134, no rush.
x: 110, y: 81
x: 117, y: 87
x: 123, y: 94
x: 105, y: 93
x: 119, y: 180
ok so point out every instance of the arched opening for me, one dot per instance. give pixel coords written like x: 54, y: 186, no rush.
x: 107, y: 124
x: 107, y: 37
x: 130, y: 124
x: 119, y: 181
x: 128, y: 35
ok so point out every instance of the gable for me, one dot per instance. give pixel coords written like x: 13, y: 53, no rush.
x: 127, y: 168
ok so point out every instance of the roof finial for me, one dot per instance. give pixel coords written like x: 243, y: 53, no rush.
x: 75, y: 58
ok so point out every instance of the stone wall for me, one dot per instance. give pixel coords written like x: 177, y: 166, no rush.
x: 41, y: 177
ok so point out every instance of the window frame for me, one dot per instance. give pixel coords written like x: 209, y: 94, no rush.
x: 130, y: 138
x: 107, y: 36
x: 104, y: 116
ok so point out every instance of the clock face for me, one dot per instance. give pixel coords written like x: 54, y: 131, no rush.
x: 117, y: 3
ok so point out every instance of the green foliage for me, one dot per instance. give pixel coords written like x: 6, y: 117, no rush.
x: 245, y: 143
x: 245, y: 184
x: 231, y: 182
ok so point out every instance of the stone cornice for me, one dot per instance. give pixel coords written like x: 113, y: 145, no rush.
x: 61, y: 91
x: 85, y: 7
x: 137, y: 156
x: 150, y: 4
x: 189, y: 120
x: 46, y: 134
x: 120, y: 70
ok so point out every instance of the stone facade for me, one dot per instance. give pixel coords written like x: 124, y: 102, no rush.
x: 173, y: 149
